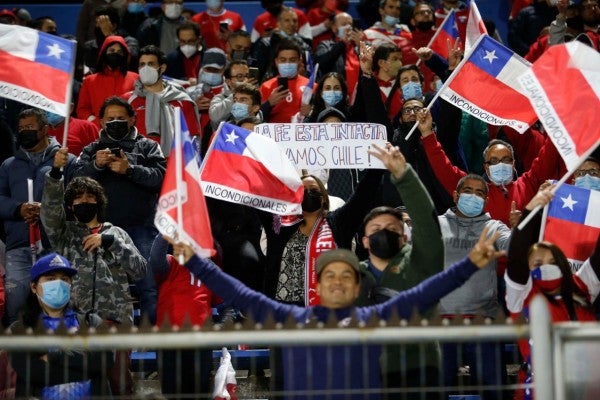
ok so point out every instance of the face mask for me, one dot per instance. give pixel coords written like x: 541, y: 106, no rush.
x: 332, y: 97
x: 312, y: 200
x: 239, y: 110
x: 237, y: 55
x: 114, y: 60
x: 213, y: 4
x: 85, y: 212
x: 28, y: 139
x: 188, y: 50
x: 117, y: 129
x: 342, y: 31
x: 470, y: 205
x: 384, y: 244
x: 438, y: 85
x: 424, y: 26
x: 211, y: 78
x: 173, y: 11
x: 56, y: 294
x: 388, y: 19
x: 408, y: 233
x: 501, y: 174
x: 547, y: 277
x: 287, y: 70
x: 588, y: 182
x: 412, y: 90
x: 148, y: 75
x: 54, y: 119
x: 135, y: 8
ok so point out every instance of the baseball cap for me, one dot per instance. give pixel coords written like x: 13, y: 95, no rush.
x: 214, y: 58
x: 50, y: 263
x: 330, y: 112
x: 342, y: 255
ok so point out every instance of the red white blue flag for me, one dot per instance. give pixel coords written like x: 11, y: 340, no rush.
x: 447, y: 32
x: 248, y: 168
x: 475, y: 26
x: 563, y: 86
x: 181, y: 209
x: 573, y: 222
x: 36, y: 68
x: 485, y: 84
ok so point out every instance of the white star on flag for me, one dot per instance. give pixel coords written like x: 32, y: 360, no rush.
x: 490, y: 55
x: 55, y: 51
x: 231, y: 138
x: 568, y: 202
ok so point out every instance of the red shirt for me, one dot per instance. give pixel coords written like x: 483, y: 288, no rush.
x: 81, y: 133
x: 209, y: 26
x: 315, y: 17
x: 290, y: 105
x: 266, y: 21
x: 399, y: 37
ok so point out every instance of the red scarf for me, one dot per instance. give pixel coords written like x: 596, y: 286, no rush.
x: 320, y: 240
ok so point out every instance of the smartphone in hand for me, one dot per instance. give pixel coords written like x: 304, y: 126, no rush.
x: 116, y: 152
x: 281, y: 81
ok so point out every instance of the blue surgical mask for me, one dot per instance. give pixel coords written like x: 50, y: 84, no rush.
x: 388, y: 19
x: 332, y: 97
x: 211, y: 78
x: 412, y: 90
x: 56, y: 293
x: 470, y: 205
x: 588, y: 182
x: 342, y: 31
x: 213, y: 4
x: 239, y: 111
x: 501, y: 173
x: 135, y: 8
x: 438, y: 85
x: 287, y: 70
x: 54, y: 119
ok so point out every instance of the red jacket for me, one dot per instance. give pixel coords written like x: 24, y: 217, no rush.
x: 81, y: 133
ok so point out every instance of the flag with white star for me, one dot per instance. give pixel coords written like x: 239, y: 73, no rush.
x: 573, y: 222
x: 36, y: 68
x: 485, y: 85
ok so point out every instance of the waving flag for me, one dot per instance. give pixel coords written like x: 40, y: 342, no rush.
x: 573, y: 222
x: 485, y: 85
x: 446, y: 31
x: 181, y: 207
x: 36, y: 68
x: 309, y: 88
x: 475, y: 27
x: 248, y: 168
x: 561, y: 85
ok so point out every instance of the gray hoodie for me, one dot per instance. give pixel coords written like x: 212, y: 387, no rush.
x: 479, y: 294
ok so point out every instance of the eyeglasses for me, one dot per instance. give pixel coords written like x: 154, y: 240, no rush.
x: 411, y: 110
x: 591, y: 172
x: 503, y: 160
x: 424, y: 12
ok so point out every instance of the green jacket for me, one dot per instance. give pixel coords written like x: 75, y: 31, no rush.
x: 413, y: 264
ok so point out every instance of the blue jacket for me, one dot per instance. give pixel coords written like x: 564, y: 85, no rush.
x: 13, y: 191
x: 333, y: 367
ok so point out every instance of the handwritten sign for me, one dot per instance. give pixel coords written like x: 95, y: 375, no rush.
x: 331, y: 145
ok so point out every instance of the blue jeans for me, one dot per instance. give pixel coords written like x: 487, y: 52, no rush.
x: 143, y: 237
x: 18, y: 275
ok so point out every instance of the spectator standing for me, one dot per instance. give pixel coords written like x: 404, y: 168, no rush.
x: 217, y: 23
x: 162, y: 31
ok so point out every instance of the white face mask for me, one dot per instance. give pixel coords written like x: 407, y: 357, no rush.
x: 188, y: 50
x: 148, y: 75
x: 173, y: 11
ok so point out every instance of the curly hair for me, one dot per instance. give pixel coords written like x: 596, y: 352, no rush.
x: 81, y: 185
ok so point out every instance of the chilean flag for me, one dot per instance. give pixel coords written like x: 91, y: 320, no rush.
x: 181, y: 209
x: 573, y: 222
x: 36, y: 68
x: 446, y: 31
x: 248, y: 168
x: 485, y: 85
x: 564, y: 89
x: 475, y: 26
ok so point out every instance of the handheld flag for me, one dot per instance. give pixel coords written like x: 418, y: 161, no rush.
x: 485, y: 85
x: 181, y: 207
x: 225, y: 381
x: 447, y: 31
x: 248, y: 168
x: 309, y: 88
x: 573, y: 222
x: 562, y: 81
x: 475, y: 27
x: 37, y: 68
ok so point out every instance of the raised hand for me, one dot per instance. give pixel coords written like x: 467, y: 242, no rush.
x: 484, y: 251
x: 366, y: 58
x: 391, y: 157
x: 455, y: 54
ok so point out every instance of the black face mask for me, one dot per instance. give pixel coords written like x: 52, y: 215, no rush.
x: 312, y: 200
x: 424, y: 26
x: 384, y: 244
x: 85, y: 212
x: 114, y: 60
x: 28, y: 139
x: 117, y: 129
x: 237, y: 55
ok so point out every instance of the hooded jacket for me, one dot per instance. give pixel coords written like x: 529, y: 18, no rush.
x: 479, y: 293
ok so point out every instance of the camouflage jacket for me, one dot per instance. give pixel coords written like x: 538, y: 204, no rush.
x: 114, y: 263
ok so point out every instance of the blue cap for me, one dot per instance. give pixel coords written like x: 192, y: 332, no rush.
x: 50, y: 263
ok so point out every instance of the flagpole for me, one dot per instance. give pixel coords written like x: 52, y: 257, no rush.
x: 68, y: 99
x: 437, y: 32
x: 560, y: 182
x: 445, y: 85
x: 178, y: 176
x: 212, y: 144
